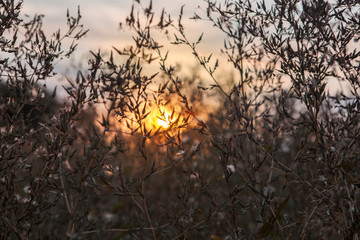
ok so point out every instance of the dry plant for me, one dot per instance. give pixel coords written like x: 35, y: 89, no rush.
x: 129, y: 156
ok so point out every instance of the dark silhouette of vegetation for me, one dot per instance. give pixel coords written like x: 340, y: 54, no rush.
x: 145, y: 156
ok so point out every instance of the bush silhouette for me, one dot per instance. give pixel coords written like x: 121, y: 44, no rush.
x: 146, y: 156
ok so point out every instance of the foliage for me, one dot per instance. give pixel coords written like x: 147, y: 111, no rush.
x: 279, y: 159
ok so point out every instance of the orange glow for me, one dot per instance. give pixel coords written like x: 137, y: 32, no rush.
x: 164, y: 119
x: 159, y: 119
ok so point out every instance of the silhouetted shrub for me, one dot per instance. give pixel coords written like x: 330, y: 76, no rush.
x: 146, y: 156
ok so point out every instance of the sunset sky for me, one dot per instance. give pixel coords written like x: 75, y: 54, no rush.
x: 103, y: 18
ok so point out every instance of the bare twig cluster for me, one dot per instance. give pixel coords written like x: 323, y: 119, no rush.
x: 129, y: 155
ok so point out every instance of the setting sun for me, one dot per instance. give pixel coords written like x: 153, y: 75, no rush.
x: 164, y: 119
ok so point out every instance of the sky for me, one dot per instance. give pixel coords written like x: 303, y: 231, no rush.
x: 103, y: 18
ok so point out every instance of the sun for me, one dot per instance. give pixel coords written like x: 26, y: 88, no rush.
x: 155, y: 119
x: 164, y: 119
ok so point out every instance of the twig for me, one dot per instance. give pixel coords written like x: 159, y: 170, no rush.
x: 124, y: 229
x: 65, y: 194
x: 21, y: 236
x: 302, y: 235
